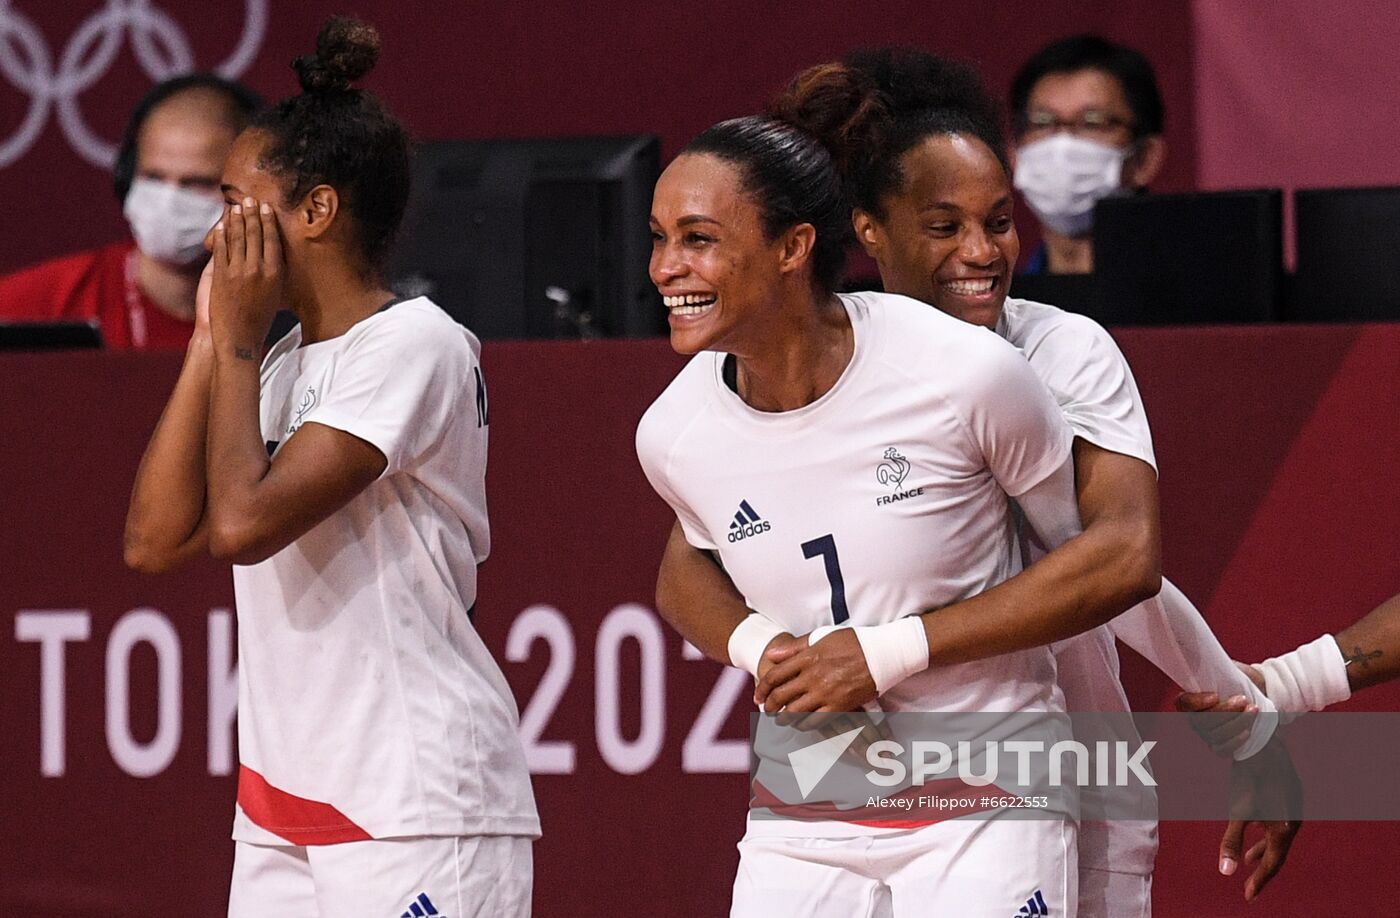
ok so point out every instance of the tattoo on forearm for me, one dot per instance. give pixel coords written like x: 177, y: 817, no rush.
x: 243, y: 353
x: 1360, y: 657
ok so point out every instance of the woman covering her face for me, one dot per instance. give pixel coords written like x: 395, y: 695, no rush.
x: 343, y: 474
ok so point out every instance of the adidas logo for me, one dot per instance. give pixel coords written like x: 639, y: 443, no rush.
x: 746, y: 523
x: 421, y: 907
x: 1035, y: 907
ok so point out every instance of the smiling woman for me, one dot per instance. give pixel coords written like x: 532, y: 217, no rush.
x: 743, y: 272
x: 948, y: 237
x: 918, y: 144
x: 774, y: 448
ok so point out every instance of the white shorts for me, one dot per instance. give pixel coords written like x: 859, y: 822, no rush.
x: 388, y: 878
x: 982, y: 868
x: 1109, y: 894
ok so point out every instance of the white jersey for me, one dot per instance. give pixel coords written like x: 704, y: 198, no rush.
x: 1090, y: 379
x: 1081, y: 365
x: 884, y: 498
x: 368, y: 705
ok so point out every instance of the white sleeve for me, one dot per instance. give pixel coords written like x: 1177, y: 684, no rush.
x: 1051, y: 508
x: 398, y: 388
x: 1014, y: 421
x: 1091, y: 379
x: 1171, y: 633
x: 654, y: 441
x: 1167, y: 629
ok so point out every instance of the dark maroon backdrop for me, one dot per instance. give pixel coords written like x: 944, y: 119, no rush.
x: 479, y: 69
x: 1277, y: 449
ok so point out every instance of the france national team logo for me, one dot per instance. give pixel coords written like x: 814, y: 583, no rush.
x: 891, y: 472
x: 309, y: 398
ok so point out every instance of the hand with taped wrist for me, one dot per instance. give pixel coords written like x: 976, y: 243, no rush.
x: 844, y: 668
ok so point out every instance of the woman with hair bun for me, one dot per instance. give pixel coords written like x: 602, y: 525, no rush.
x: 344, y: 476
x: 848, y: 457
x: 920, y: 147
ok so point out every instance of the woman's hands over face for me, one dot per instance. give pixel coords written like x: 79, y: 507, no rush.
x: 247, y: 275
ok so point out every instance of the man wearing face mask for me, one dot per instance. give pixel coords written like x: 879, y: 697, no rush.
x: 167, y: 171
x: 1088, y: 121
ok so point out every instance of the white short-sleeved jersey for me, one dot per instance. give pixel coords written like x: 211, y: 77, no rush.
x: 368, y: 705
x: 1081, y: 365
x: 1090, y: 379
x: 884, y: 498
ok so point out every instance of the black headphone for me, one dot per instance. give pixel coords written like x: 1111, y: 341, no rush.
x: 244, y: 100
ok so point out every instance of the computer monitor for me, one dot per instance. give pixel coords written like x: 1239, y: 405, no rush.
x: 1186, y: 259
x: 1071, y: 292
x: 1348, y: 255
x: 49, y: 336
x: 539, y: 238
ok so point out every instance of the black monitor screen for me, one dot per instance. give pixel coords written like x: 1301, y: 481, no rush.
x: 48, y: 336
x: 1175, y: 259
x: 534, y: 238
x: 1348, y: 254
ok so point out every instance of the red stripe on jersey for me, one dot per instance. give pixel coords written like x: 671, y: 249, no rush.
x: 298, y: 820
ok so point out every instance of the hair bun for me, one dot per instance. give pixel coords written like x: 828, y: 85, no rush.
x: 346, y: 49
x: 838, y: 105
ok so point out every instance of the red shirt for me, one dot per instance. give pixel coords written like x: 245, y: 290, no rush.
x: 99, y: 284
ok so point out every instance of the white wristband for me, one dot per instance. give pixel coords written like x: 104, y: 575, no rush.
x: 749, y: 640
x: 894, y: 651
x: 1307, y: 679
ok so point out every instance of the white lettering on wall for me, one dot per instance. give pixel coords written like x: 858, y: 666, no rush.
x: 142, y: 760
x: 630, y: 757
x: 223, y: 692
x: 51, y: 629
x: 546, y: 623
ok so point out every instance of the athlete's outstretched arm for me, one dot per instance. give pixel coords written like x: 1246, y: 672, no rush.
x: 1117, y: 500
x: 1325, y: 671
x: 1315, y: 675
x: 1167, y: 629
x: 1172, y: 634
x: 166, y: 524
x: 258, y: 506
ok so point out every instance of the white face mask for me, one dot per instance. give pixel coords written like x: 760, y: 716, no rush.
x: 170, y: 222
x: 1064, y: 176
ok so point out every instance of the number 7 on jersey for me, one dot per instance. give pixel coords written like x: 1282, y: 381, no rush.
x: 825, y: 547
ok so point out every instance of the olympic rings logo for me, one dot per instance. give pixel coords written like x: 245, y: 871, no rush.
x: 160, y: 45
